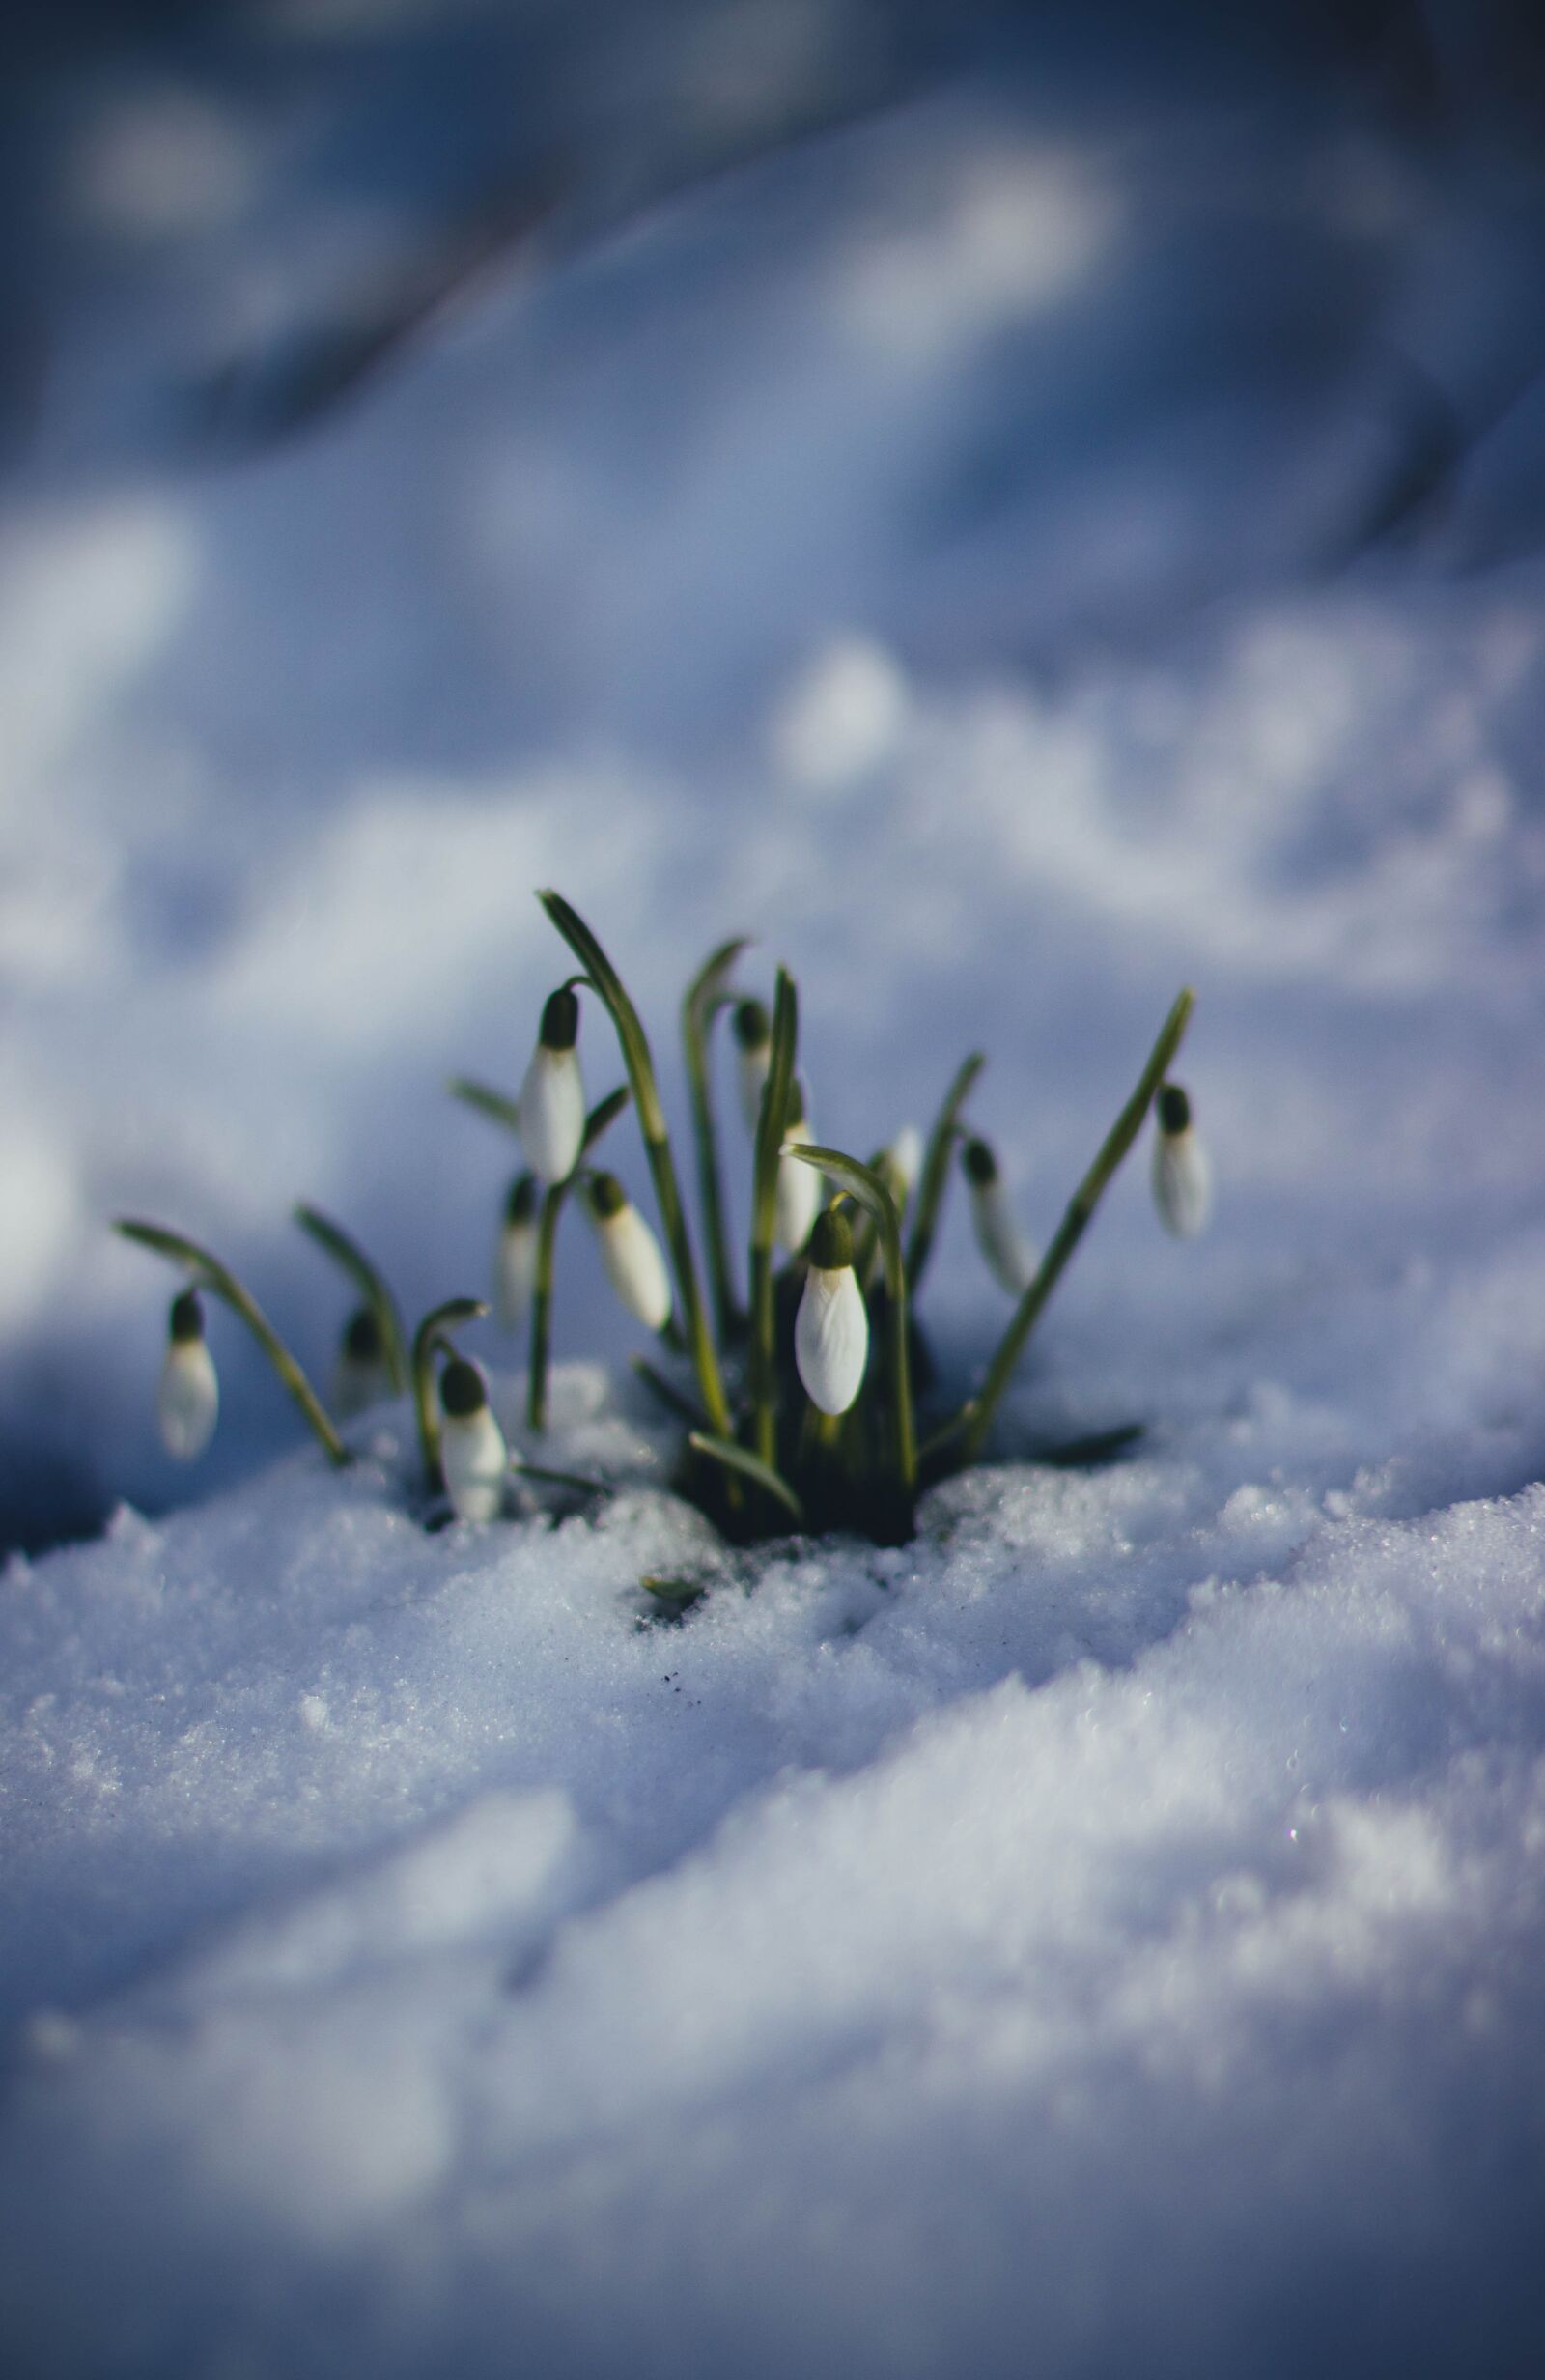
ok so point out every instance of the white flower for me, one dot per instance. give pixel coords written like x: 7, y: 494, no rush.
x: 832, y: 1328
x: 904, y: 1159
x: 1182, y: 1172
x: 515, y: 1261
x: 552, y: 1096
x: 1009, y: 1257
x: 630, y: 1252
x: 753, y: 1034
x: 799, y: 1191
x: 473, y: 1454
x: 187, y: 1401
x: 362, y: 1378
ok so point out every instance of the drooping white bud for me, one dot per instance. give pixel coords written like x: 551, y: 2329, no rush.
x: 1182, y: 1172
x: 630, y: 1252
x: 753, y: 1036
x: 188, y: 1403
x: 1007, y: 1253
x: 832, y: 1328
x: 362, y: 1378
x: 799, y: 1191
x: 552, y: 1096
x: 473, y: 1454
x: 515, y: 1261
x: 905, y: 1156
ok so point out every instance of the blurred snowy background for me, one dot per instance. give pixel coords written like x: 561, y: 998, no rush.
x: 1013, y: 505
x: 1016, y: 507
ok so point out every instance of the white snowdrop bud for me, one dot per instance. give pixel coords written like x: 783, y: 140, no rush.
x: 799, y: 1191
x: 1182, y: 1172
x: 753, y: 1036
x: 905, y: 1159
x: 552, y: 1096
x: 514, y: 1263
x: 188, y: 1403
x: 473, y: 1454
x: 630, y: 1252
x: 1009, y: 1257
x: 832, y: 1328
x: 362, y: 1378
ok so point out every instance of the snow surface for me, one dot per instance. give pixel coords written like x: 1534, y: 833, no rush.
x: 1107, y: 1936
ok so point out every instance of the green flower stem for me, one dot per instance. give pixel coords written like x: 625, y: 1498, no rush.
x: 536, y: 1387
x: 430, y: 1335
x: 978, y: 1415
x: 741, y: 1463
x: 367, y: 1279
x: 706, y: 995
x: 212, y: 1275
x: 599, y: 1121
x: 935, y: 1174
x: 769, y: 1130
x: 656, y: 1144
x: 861, y: 1183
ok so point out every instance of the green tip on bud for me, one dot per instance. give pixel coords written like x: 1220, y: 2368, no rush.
x: 607, y: 1197
x: 462, y: 1390
x: 830, y: 1243
x: 1174, y: 1110
x: 362, y: 1342
x: 560, y: 1020
x: 521, y: 1205
x: 186, y: 1321
x: 753, y: 1027
x: 981, y: 1166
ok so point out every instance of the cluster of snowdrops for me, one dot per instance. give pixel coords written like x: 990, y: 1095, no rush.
x: 801, y: 1401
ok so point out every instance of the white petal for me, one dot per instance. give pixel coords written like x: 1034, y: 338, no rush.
x: 474, y: 1458
x: 799, y: 1196
x: 1010, y: 1258
x: 831, y: 1338
x: 906, y: 1154
x: 634, y: 1266
x: 552, y: 1113
x: 515, y: 1274
x: 188, y: 1402
x: 1182, y: 1182
x: 754, y: 1069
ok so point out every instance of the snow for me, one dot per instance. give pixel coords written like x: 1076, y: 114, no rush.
x: 1105, y: 1935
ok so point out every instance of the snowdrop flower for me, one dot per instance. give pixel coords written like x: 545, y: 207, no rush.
x: 1010, y: 1259
x: 552, y: 1096
x: 753, y: 1034
x: 515, y: 1263
x: 630, y: 1252
x: 832, y: 1328
x: 899, y: 1163
x: 188, y: 1400
x: 362, y: 1378
x: 1182, y: 1172
x: 473, y: 1454
x: 799, y: 1186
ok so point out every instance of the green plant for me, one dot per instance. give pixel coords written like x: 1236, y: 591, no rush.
x: 794, y: 1411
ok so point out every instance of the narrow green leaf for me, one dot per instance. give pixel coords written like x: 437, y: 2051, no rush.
x: 1070, y: 1230
x: 656, y: 1144
x: 673, y: 1399
x: 706, y: 995
x: 770, y: 1125
x: 935, y: 1176
x: 741, y: 1459
x: 370, y: 1283
x: 494, y: 1104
